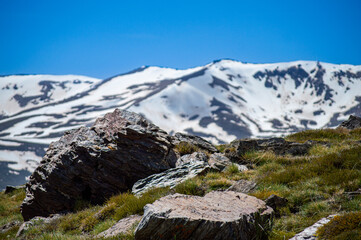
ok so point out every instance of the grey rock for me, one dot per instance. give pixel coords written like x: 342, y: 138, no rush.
x: 218, y: 161
x: 171, y: 177
x: 352, y: 122
x: 194, y: 157
x: 188, y: 166
x: 217, y: 215
x: 36, y: 221
x: 10, y: 225
x: 277, y: 145
x: 242, y: 186
x: 123, y: 226
x: 92, y: 164
x: 310, y: 232
x: 241, y: 168
x: 195, y: 140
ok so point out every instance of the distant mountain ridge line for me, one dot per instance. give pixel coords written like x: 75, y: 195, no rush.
x: 220, y: 101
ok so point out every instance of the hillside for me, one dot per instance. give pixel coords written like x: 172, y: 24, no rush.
x: 322, y: 182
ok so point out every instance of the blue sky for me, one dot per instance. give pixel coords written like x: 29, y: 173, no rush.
x: 104, y: 38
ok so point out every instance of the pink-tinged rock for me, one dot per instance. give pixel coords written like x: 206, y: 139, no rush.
x: 217, y: 215
x: 123, y: 226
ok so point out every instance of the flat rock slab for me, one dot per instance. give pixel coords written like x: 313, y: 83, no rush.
x: 171, y: 177
x: 310, y: 232
x: 123, y: 226
x: 217, y: 215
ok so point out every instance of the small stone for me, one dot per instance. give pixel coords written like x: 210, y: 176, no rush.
x: 192, y: 158
x: 218, y: 161
x: 123, y: 226
x: 276, y: 202
x: 242, y: 186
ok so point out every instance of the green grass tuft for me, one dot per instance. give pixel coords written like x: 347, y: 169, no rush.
x: 342, y: 227
x: 186, y: 148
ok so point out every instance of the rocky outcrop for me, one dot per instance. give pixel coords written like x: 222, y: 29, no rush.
x: 217, y: 215
x: 194, y: 140
x: 310, y: 232
x: 351, y: 123
x: 277, y: 145
x: 92, y: 164
x: 123, y: 226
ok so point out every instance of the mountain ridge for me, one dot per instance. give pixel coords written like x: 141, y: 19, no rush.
x: 220, y: 101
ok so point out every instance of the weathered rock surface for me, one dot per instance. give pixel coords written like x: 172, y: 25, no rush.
x: 217, y: 215
x: 218, y: 161
x: 36, y: 221
x: 195, y: 140
x: 9, y: 226
x: 123, y: 226
x: 92, y: 164
x: 352, y: 122
x: 242, y: 186
x: 310, y: 232
x: 172, y: 177
x: 192, y: 158
x: 277, y: 145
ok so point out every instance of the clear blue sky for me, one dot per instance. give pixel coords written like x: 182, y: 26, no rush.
x: 104, y: 38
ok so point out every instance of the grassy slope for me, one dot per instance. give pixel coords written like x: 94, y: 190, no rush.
x: 315, y: 186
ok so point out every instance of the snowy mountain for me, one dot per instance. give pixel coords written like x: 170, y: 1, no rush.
x: 221, y: 101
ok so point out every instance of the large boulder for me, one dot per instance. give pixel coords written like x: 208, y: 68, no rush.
x: 217, y: 215
x: 92, y: 164
x: 351, y: 123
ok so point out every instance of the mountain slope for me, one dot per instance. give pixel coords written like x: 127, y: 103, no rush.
x: 221, y: 101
